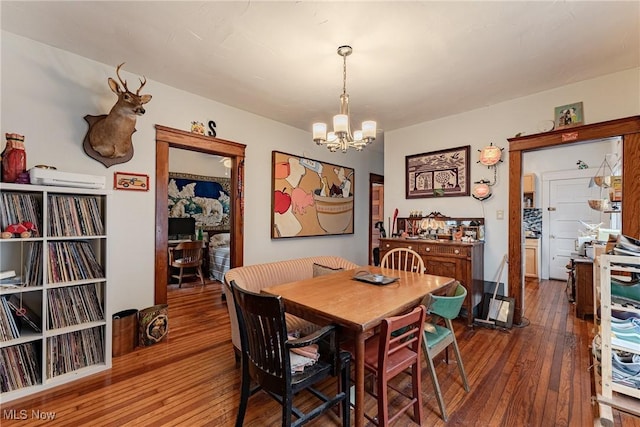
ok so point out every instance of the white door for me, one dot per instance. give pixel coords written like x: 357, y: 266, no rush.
x: 567, y: 206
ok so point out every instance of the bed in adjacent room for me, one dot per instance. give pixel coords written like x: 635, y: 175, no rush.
x: 219, y: 256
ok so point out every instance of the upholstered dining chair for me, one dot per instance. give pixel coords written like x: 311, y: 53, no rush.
x: 438, y: 338
x: 403, y: 259
x: 267, y: 361
x: 187, y: 255
x: 392, y: 351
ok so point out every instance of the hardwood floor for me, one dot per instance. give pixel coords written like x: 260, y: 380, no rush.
x: 536, y: 375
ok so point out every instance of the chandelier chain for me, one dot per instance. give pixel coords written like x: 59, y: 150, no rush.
x: 344, y: 74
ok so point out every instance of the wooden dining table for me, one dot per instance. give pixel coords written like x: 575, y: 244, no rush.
x: 356, y: 307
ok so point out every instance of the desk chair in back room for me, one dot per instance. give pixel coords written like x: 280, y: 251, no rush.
x: 187, y: 255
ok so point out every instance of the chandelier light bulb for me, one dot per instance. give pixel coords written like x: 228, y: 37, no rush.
x: 319, y: 132
x: 369, y: 129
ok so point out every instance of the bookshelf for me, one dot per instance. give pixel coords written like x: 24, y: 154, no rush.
x: 621, y: 395
x: 55, y: 323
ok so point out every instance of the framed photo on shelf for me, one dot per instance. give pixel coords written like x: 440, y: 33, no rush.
x: 569, y: 115
x: 130, y: 181
x: 444, y: 173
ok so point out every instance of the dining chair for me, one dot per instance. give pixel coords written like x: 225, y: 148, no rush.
x: 392, y: 351
x: 266, y: 359
x: 403, y: 259
x: 438, y: 338
x: 187, y: 255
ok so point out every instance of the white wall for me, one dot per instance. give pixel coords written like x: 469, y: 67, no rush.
x: 46, y: 92
x: 610, y: 97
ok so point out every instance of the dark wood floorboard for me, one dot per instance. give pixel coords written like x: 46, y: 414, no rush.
x: 535, y: 374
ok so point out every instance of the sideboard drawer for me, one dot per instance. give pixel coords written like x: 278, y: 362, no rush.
x: 388, y: 245
x: 435, y: 249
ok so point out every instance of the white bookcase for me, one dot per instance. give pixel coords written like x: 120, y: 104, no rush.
x: 65, y: 333
x: 612, y: 394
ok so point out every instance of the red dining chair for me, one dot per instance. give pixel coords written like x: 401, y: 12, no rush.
x: 393, y: 351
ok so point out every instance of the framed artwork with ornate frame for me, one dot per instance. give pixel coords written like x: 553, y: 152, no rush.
x: 309, y: 197
x: 443, y: 173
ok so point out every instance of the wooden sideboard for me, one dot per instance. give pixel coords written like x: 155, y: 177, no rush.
x: 462, y: 261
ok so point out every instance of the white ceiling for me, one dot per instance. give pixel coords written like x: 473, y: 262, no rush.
x: 412, y: 61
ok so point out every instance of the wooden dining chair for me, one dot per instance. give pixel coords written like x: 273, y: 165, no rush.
x: 394, y: 350
x: 266, y: 360
x: 403, y: 259
x: 438, y: 338
x: 187, y: 255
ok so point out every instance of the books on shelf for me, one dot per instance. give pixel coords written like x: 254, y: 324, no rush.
x: 7, y: 274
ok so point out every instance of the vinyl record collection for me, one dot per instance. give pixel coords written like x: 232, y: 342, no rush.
x: 19, y: 367
x: 75, y: 350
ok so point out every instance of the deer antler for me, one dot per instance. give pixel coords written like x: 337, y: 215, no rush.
x: 124, y: 82
x: 142, y: 83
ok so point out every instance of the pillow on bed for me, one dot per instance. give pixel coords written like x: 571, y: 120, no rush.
x: 219, y: 240
x: 321, y: 270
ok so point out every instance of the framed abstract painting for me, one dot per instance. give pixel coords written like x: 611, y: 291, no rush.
x: 309, y: 197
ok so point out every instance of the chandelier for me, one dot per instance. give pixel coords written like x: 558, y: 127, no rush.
x: 341, y: 137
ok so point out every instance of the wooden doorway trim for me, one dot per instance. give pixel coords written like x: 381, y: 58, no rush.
x: 165, y: 138
x: 627, y: 128
x: 374, y: 179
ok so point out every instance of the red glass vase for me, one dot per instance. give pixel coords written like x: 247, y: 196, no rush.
x: 14, y: 159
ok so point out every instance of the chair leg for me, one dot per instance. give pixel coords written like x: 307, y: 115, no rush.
x: 456, y: 350
x: 245, y: 392
x: 345, y: 386
x: 434, y: 381
x: 383, y: 410
x: 287, y: 402
x: 201, y: 275
x: 180, y: 278
x: 416, y: 384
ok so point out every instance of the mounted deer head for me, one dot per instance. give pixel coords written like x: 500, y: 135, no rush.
x: 108, y: 139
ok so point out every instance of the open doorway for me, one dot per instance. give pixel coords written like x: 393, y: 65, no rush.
x: 376, y: 216
x: 172, y: 138
x: 628, y: 129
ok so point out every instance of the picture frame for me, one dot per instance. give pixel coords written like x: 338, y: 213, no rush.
x: 442, y: 173
x: 207, y: 199
x: 130, y: 181
x: 310, y: 197
x: 501, y: 312
x: 568, y: 116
